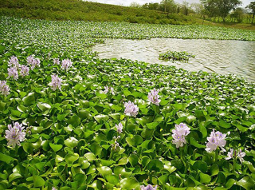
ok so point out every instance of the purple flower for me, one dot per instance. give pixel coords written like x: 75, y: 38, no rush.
x: 216, y: 139
x: 24, y: 70
x: 15, y: 134
x: 149, y: 187
x: 4, y: 88
x: 119, y: 128
x: 179, y: 133
x: 232, y: 154
x: 13, y: 62
x: 131, y: 109
x: 56, y: 61
x: 108, y: 89
x: 55, y: 82
x: 30, y: 60
x: 154, y: 97
x: 66, y: 63
x: 13, y: 72
x: 34, y: 62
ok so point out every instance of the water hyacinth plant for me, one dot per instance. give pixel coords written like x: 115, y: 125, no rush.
x: 179, y: 133
x: 108, y: 89
x: 56, y: 82
x: 66, y: 63
x: 13, y: 62
x: 4, y: 88
x: 233, y: 154
x: 56, y: 61
x: 14, y: 135
x: 72, y: 144
x: 13, y: 73
x: 131, y: 109
x: 215, y: 140
x: 33, y: 62
x: 24, y: 70
x: 119, y: 127
x: 175, y: 56
x: 153, y: 97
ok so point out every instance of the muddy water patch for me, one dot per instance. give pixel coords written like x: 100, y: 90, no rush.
x: 220, y: 56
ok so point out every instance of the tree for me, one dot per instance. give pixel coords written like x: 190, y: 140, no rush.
x: 237, y: 14
x: 168, y: 6
x: 135, y: 5
x: 251, y: 6
x: 220, y: 7
x: 211, y: 7
x: 185, y: 7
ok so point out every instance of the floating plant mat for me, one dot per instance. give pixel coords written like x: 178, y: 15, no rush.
x: 89, y: 123
x: 176, y: 56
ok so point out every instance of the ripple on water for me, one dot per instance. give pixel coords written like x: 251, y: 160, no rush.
x: 220, y: 56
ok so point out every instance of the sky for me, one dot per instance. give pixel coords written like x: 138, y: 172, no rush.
x: 141, y: 2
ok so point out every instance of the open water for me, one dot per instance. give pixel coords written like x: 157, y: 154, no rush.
x: 220, y: 56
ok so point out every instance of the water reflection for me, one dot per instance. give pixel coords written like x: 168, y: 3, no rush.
x: 220, y: 56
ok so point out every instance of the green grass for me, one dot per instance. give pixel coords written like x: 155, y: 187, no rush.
x: 87, y: 11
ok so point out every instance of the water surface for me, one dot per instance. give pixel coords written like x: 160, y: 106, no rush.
x: 220, y: 56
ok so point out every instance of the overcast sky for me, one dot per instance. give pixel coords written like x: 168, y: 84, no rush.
x: 128, y: 2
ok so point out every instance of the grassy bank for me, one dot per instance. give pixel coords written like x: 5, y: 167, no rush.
x: 87, y: 11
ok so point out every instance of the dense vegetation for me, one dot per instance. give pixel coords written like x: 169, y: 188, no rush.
x: 176, y: 56
x: 87, y: 11
x: 69, y: 112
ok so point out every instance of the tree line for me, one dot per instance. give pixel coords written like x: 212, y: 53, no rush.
x: 211, y: 9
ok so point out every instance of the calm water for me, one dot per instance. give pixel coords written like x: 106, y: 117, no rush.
x: 220, y: 56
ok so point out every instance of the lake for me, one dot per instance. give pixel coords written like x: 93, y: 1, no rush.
x: 220, y: 56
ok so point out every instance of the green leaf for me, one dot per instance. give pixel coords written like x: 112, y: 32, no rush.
x: 28, y: 147
x: 90, y: 156
x: 71, y: 142
x: 14, y: 176
x: 84, y: 163
x: 152, y: 125
x: 202, y: 129
x: 2, y: 106
x: 5, y: 158
x: 230, y: 183
x: 56, y: 147
x: 156, y: 165
x: 123, y: 161
x: 101, y: 118
x: 204, y: 178
x: 200, y: 165
x: 250, y: 166
x: 134, y: 141
x: 214, y: 169
x: 38, y: 181
x: 71, y: 158
x: 104, y: 170
x: 113, y: 179
x: 29, y: 99
x: 133, y: 159
x: 224, y: 124
x: 45, y: 108
x: 74, y: 121
x: 195, y: 143
x: 129, y: 183
x: 246, y: 182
